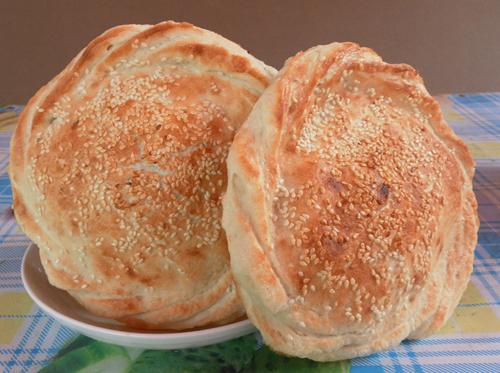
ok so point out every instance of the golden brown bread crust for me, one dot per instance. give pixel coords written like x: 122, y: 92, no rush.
x: 350, y: 215
x: 118, y: 167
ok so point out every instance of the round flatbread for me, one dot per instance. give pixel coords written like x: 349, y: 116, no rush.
x: 349, y: 213
x: 118, y: 168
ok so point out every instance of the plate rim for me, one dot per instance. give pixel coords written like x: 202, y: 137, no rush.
x: 164, y: 341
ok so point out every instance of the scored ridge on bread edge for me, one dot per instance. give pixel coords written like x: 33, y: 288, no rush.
x: 349, y: 212
x: 118, y: 168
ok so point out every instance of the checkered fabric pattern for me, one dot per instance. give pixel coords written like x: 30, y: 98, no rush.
x: 469, y: 342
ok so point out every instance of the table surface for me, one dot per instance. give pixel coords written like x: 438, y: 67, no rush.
x: 469, y: 342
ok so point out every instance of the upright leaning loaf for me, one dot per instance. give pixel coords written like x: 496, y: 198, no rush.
x: 350, y: 215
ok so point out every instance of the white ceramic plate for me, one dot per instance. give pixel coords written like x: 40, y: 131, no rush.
x: 60, y: 305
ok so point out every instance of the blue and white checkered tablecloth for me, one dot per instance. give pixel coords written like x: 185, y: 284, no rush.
x: 469, y: 342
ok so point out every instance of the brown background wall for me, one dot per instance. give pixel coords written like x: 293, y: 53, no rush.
x: 455, y: 44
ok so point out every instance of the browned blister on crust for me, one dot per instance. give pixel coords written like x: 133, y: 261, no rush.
x: 349, y: 213
x: 118, y: 168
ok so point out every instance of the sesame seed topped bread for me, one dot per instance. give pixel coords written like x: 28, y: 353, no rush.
x: 118, y: 167
x: 349, y: 213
